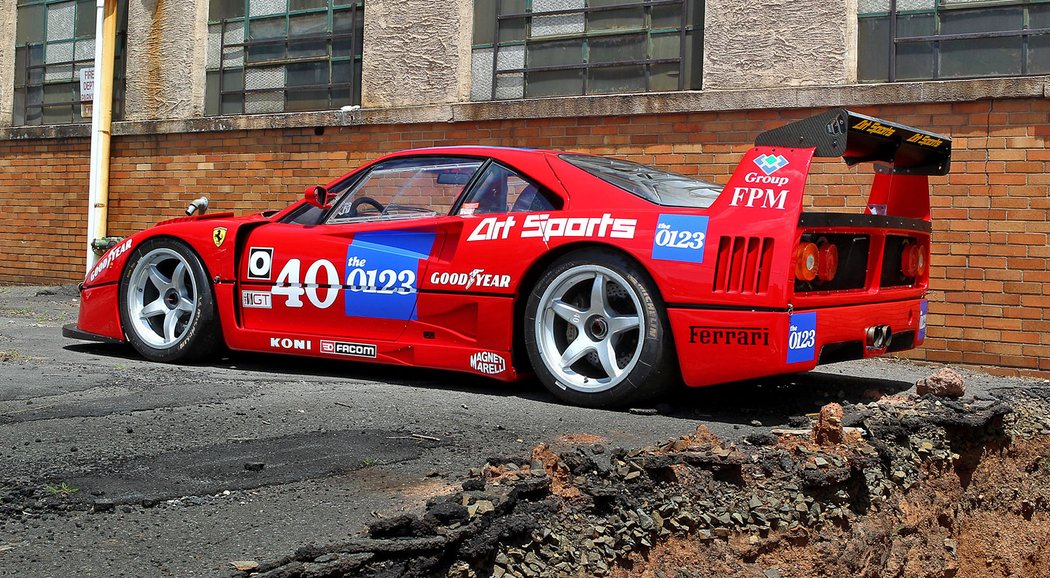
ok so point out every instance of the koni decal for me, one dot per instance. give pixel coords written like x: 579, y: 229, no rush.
x: 714, y: 335
x: 546, y: 227
x: 109, y: 258
x: 291, y: 344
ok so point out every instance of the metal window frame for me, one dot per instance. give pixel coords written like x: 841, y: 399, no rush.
x: 940, y: 7
x: 687, y: 6
x: 355, y: 9
x: 26, y: 85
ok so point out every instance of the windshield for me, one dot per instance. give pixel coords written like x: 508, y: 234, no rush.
x: 652, y: 184
x: 405, y: 189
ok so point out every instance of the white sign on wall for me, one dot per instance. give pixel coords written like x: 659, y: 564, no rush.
x: 87, y: 84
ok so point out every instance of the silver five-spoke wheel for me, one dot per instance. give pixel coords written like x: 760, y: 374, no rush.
x: 161, y: 298
x: 588, y: 329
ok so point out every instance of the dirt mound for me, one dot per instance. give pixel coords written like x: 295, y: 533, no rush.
x: 933, y: 488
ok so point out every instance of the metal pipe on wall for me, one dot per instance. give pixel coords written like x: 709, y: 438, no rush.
x: 101, y: 123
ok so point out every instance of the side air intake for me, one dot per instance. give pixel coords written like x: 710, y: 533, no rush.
x: 743, y: 265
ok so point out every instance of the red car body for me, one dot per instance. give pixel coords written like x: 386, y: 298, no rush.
x: 750, y: 285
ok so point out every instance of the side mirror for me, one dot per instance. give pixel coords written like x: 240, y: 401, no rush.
x: 317, y: 196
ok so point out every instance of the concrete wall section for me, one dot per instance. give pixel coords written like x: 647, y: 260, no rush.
x: 167, y: 46
x: 416, y: 52
x: 8, y: 10
x: 778, y: 43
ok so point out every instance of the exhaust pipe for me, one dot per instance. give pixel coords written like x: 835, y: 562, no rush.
x: 878, y: 336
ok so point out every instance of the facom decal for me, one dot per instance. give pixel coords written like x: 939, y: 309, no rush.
x: 762, y: 198
x: 476, y: 278
x: 109, y: 258
x: 546, y: 227
x: 924, y: 307
x: 291, y: 344
x: 218, y: 236
x: 802, y: 337
x: 488, y: 363
x: 348, y: 348
x: 771, y: 163
x: 924, y: 140
x: 256, y: 300
x: 874, y: 127
x: 714, y: 335
x: 381, y: 272
x: 680, y: 238
x: 260, y: 263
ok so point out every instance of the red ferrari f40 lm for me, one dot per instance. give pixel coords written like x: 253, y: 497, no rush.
x: 609, y: 280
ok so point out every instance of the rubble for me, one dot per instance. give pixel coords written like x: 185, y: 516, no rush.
x: 588, y: 511
x: 945, y: 383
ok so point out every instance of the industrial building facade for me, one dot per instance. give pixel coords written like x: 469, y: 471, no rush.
x: 244, y: 101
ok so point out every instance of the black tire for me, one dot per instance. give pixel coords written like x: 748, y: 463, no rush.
x: 167, y: 304
x: 563, y: 319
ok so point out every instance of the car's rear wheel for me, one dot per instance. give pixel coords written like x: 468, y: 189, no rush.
x: 167, y: 306
x: 595, y: 331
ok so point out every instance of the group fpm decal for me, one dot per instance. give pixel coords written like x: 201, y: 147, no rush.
x: 382, y: 270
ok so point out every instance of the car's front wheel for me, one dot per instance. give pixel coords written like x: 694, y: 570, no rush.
x: 596, y: 333
x: 167, y: 306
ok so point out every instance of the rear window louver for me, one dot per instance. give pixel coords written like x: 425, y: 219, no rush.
x: 743, y: 265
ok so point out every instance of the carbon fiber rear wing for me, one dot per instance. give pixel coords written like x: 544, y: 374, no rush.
x: 858, y: 138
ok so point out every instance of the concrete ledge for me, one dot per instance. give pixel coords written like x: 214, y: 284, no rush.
x: 581, y: 106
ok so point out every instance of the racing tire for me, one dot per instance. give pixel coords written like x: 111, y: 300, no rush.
x: 596, y: 331
x: 167, y: 304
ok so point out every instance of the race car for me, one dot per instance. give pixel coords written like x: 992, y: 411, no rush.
x: 608, y: 280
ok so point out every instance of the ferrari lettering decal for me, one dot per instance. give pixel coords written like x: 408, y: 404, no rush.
x: 109, y: 258
x: 476, y: 278
x: 802, y: 337
x: 711, y: 335
x: 256, y: 300
x: 547, y: 227
x: 680, y: 238
x: 381, y: 272
x: 924, y: 307
x: 488, y: 363
x: 294, y: 344
x: 348, y: 348
x: 763, y: 198
x: 260, y: 263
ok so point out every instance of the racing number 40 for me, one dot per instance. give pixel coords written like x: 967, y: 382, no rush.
x: 288, y: 284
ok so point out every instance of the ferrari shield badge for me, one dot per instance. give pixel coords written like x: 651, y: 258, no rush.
x: 218, y: 235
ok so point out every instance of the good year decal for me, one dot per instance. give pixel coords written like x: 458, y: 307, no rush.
x: 379, y: 279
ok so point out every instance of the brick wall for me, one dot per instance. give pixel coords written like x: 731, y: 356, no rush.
x: 989, y: 300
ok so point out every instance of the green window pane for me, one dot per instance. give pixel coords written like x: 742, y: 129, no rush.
x: 618, y: 48
x: 1039, y: 16
x: 306, y: 74
x: 31, y: 25
x: 981, y: 57
x: 512, y: 6
x: 512, y: 29
x: 303, y: 99
x: 873, y: 56
x: 915, y: 61
x: 914, y: 25
x: 294, y: 5
x: 265, y: 28
x: 981, y: 20
x: 86, y: 12
x: 625, y: 19
x: 667, y: 16
x: 663, y: 77
x: 225, y: 9
x: 484, y: 22
x: 62, y: 114
x: 616, y: 79
x: 314, y: 24
x: 553, y: 83
x: 554, y: 53
x: 666, y: 46
x: 1039, y: 54
x: 211, y: 93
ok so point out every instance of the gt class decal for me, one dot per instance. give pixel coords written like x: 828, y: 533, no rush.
x: 256, y: 300
x: 680, y: 238
x: 547, y: 227
x: 802, y: 337
x: 488, y: 363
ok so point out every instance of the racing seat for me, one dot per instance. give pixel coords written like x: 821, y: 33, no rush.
x: 530, y: 199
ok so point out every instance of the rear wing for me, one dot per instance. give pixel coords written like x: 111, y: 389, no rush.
x: 858, y: 138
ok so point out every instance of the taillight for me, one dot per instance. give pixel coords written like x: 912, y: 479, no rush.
x: 827, y: 261
x: 913, y: 260
x: 806, y: 258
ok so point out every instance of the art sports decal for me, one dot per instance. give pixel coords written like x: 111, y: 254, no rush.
x: 381, y: 270
x: 260, y: 263
x: 713, y: 335
x: 874, y: 127
x: 488, y: 363
x: 547, y: 227
x: 348, y: 348
x: 924, y: 307
x: 680, y: 238
x: 218, y: 236
x: 256, y: 300
x: 926, y: 141
x: 476, y: 278
x: 802, y: 337
x: 108, y: 259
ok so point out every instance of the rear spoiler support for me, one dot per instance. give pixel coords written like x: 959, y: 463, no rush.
x: 858, y: 138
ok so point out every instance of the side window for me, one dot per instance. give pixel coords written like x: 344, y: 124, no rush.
x: 501, y: 190
x: 405, y: 189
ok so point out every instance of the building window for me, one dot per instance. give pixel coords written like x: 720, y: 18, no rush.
x: 940, y: 39
x: 54, y: 41
x: 535, y: 48
x: 267, y: 56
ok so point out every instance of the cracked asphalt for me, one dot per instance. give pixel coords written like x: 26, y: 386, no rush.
x: 114, y: 466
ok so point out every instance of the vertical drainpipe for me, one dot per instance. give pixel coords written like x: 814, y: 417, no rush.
x: 101, y: 121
